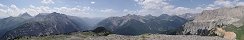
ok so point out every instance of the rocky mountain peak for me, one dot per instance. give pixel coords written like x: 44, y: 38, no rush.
x: 163, y: 16
x: 25, y: 15
x: 134, y: 17
x: 50, y: 15
x: 56, y: 14
x: 149, y: 16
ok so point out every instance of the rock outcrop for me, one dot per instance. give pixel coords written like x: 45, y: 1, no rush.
x: 230, y: 35
x: 225, y: 34
x: 212, y: 22
x: 210, y: 19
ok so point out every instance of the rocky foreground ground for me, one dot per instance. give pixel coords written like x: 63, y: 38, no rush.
x: 124, y: 37
x: 155, y: 37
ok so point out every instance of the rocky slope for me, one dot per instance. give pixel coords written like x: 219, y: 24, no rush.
x: 212, y: 19
x: 45, y: 24
x: 136, y: 24
x: 156, y: 37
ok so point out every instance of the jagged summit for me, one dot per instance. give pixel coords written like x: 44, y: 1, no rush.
x: 47, y: 13
x: 149, y: 16
x: 25, y: 15
x: 164, y: 15
x: 55, y: 14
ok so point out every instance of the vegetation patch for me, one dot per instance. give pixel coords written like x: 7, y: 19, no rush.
x: 238, y: 30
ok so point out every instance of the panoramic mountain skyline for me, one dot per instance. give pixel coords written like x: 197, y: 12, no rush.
x: 121, y: 20
x: 107, y: 8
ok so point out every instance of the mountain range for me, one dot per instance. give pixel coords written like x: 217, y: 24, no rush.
x: 44, y: 24
x: 136, y: 24
x: 57, y: 23
x: 10, y: 23
x: 223, y: 22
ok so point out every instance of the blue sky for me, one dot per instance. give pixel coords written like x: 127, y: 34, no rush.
x: 107, y: 8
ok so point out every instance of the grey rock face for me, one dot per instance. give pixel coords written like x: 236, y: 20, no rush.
x: 212, y: 18
x: 135, y: 24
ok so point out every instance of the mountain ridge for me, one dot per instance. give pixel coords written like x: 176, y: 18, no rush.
x: 53, y: 23
x: 137, y: 24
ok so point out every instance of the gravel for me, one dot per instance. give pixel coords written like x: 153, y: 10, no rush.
x: 155, y: 37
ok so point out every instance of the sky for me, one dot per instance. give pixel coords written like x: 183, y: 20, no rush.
x: 108, y: 8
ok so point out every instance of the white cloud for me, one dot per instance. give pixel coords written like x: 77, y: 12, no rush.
x: 224, y: 3
x: 13, y: 10
x: 240, y: 4
x: 158, y: 7
x: 2, y: 6
x: 47, y: 2
x: 93, y: 2
x: 74, y: 11
x: 108, y: 13
x: 36, y: 10
x: 3, y: 13
x: 107, y: 10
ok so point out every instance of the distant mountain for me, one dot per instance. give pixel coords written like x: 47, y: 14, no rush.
x: 25, y: 15
x: 92, y: 22
x: 46, y: 24
x: 136, y: 24
x: 80, y: 22
x: 10, y: 23
x: 189, y: 16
